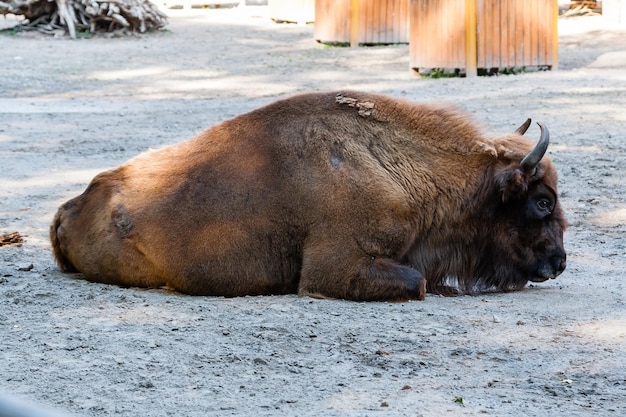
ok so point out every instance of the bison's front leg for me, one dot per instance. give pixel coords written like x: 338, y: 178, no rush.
x: 333, y: 273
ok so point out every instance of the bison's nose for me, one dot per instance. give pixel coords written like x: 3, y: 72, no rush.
x: 558, y: 263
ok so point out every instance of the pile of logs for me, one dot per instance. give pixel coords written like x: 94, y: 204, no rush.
x: 92, y: 16
x: 580, y: 8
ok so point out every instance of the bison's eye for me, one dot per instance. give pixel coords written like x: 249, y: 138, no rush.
x: 540, y: 207
x: 540, y: 204
x: 543, y: 204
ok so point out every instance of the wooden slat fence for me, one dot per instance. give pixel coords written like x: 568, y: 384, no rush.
x: 515, y: 33
x: 438, y: 34
x: 362, y: 22
x: 486, y: 34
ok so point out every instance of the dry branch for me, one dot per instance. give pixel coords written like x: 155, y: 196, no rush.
x: 94, y: 16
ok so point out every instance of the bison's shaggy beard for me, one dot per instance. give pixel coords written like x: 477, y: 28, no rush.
x: 490, y: 261
x: 477, y: 279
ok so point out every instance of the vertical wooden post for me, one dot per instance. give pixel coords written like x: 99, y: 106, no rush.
x: 354, y: 22
x: 470, y: 38
x: 555, y: 35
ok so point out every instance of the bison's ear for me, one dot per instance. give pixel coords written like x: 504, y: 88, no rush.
x: 512, y: 184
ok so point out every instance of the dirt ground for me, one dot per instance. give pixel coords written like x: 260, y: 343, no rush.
x: 72, y: 108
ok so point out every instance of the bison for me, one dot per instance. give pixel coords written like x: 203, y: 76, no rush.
x: 337, y: 195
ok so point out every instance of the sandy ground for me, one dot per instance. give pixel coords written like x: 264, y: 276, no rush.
x: 72, y: 108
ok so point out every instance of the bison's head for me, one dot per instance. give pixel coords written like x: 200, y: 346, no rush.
x: 524, y: 222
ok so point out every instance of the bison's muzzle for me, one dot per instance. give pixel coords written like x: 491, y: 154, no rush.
x: 551, y: 269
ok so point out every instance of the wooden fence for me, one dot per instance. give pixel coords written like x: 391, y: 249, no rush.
x: 362, y: 22
x: 470, y: 34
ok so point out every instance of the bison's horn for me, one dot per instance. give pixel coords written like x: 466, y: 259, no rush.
x: 530, y: 161
x: 524, y: 127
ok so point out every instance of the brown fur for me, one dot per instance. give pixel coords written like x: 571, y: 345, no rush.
x: 342, y: 195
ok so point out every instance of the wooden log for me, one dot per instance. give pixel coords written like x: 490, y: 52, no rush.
x: 66, y: 17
